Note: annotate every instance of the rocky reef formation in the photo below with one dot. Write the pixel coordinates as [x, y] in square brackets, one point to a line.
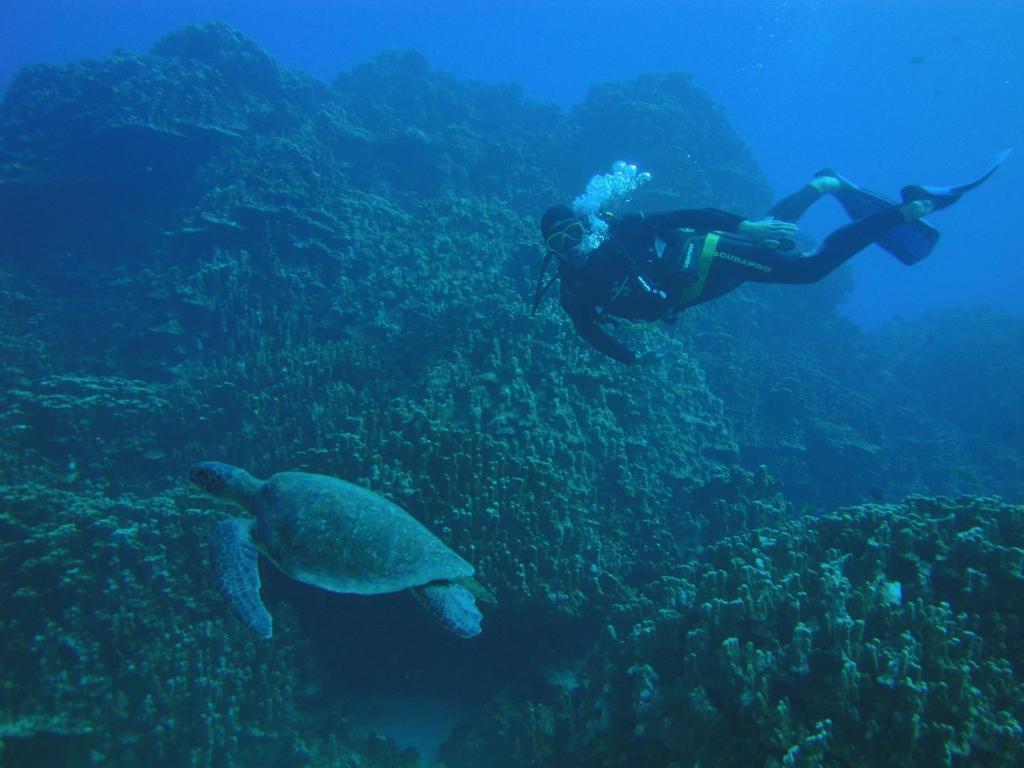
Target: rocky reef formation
[881, 635]
[296, 279]
[281, 273]
[207, 256]
[114, 652]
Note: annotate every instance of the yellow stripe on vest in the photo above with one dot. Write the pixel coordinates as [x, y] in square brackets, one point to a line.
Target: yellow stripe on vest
[707, 255]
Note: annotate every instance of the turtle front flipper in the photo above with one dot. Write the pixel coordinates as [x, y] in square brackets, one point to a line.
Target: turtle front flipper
[454, 605]
[234, 558]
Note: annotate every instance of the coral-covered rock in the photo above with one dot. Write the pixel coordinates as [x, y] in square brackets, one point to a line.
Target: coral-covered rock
[111, 655]
[206, 255]
[882, 635]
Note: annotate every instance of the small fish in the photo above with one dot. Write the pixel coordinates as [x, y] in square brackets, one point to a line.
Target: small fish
[877, 493]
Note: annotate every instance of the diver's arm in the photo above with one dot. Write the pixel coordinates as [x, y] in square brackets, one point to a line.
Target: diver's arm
[771, 232]
[703, 219]
[582, 311]
[603, 341]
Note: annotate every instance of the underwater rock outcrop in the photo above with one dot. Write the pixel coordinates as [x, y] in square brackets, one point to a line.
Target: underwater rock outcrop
[283, 274]
[231, 222]
[881, 635]
[294, 282]
[114, 651]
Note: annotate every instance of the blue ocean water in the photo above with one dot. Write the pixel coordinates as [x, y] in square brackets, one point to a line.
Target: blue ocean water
[887, 93]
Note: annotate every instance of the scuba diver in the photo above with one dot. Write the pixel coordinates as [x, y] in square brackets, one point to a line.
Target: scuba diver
[652, 266]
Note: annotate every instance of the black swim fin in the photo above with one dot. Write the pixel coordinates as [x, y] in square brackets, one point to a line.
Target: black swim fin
[910, 242]
[943, 197]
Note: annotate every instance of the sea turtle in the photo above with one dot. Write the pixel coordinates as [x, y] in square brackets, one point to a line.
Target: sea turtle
[334, 535]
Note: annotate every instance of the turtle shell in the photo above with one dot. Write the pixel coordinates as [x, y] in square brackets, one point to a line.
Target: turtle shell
[337, 536]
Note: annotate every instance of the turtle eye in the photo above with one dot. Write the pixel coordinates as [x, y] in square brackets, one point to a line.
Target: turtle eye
[207, 478]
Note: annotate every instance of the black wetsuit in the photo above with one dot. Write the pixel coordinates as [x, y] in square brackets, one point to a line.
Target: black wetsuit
[652, 266]
[627, 277]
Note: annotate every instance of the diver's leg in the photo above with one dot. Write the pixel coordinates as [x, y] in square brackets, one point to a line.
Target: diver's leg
[909, 243]
[739, 260]
[844, 243]
[792, 207]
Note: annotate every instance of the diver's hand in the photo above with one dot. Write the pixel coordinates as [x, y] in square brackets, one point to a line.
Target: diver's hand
[770, 232]
[652, 356]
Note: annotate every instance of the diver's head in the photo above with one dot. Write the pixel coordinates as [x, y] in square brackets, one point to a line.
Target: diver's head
[563, 234]
[562, 230]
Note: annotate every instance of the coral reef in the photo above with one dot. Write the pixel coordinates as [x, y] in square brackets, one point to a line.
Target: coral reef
[291, 297]
[279, 273]
[661, 121]
[112, 653]
[881, 635]
[209, 256]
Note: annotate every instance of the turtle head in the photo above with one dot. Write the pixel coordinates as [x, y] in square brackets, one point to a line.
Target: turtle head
[223, 481]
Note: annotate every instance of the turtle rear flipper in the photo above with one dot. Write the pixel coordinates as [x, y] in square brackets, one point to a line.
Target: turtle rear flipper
[454, 605]
[234, 558]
